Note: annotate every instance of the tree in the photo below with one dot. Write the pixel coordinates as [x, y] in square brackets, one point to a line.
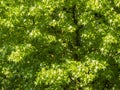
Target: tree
[59, 45]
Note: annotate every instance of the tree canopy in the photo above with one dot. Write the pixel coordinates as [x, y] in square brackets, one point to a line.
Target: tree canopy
[59, 44]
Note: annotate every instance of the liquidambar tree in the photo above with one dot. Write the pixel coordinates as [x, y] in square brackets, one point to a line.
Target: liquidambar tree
[59, 44]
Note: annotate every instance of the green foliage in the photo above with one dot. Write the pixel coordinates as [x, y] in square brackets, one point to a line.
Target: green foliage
[59, 44]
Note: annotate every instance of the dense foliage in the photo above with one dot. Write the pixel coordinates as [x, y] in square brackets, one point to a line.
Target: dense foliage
[59, 45]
